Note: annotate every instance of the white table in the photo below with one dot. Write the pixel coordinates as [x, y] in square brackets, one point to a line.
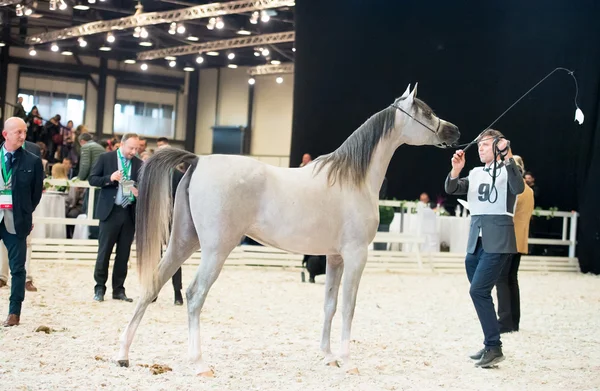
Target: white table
[52, 204]
[452, 230]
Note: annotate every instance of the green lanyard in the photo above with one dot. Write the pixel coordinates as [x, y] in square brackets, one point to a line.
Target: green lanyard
[6, 175]
[124, 165]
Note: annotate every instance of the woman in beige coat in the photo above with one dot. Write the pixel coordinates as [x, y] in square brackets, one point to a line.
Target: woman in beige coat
[507, 287]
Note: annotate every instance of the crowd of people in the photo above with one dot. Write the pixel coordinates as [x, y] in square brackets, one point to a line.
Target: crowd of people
[110, 165]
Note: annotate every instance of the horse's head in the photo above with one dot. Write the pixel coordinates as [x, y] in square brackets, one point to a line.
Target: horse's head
[418, 125]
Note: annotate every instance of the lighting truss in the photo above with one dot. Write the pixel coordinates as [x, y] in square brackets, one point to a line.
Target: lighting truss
[153, 18]
[262, 70]
[257, 40]
[4, 3]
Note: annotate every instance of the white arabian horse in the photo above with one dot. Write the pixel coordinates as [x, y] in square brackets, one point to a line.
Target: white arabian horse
[221, 198]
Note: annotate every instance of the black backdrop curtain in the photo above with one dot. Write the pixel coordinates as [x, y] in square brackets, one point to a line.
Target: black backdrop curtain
[472, 60]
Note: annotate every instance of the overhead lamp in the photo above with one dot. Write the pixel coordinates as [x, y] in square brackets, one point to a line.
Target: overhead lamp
[144, 67]
[82, 42]
[251, 81]
[188, 69]
[110, 38]
[54, 47]
[199, 59]
[279, 80]
[32, 51]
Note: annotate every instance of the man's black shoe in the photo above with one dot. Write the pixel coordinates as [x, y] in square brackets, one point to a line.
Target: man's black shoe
[478, 355]
[121, 296]
[492, 356]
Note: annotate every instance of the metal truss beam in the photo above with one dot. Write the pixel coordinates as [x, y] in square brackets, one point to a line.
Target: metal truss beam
[262, 70]
[153, 18]
[4, 3]
[257, 40]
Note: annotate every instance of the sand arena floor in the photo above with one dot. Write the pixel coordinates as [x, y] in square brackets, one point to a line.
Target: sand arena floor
[261, 331]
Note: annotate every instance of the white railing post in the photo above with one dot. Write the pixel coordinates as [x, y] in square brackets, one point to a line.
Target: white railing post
[565, 227]
[573, 234]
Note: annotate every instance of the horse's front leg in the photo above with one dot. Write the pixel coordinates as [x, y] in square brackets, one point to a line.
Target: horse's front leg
[333, 276]
[354, 264]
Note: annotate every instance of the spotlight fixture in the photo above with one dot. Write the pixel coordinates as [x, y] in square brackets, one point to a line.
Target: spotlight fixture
[54, 47]
[82, 42]
[144, 67]
[110, 38]
[199, 59]
[32, 51]
[251, 81]
[279, 80]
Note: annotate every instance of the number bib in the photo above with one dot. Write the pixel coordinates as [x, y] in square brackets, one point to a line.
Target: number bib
[485, 200]
[6, 199]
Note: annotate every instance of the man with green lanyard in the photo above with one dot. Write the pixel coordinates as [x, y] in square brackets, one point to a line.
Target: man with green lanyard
[20, 192]
[115, 173]
[33, 148]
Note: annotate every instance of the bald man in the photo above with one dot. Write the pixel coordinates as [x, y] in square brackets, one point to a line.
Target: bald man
[21, 183]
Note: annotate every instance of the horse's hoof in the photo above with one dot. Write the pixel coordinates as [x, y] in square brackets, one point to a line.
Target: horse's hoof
[333, 364]
[123, 363]
[353, 371]
[210, 374]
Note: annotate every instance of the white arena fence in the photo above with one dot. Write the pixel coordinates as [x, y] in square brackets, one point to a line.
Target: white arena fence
[84, 251]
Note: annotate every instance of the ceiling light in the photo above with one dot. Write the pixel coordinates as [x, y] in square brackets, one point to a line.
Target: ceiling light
[136, 32]
[2, 44]
[32, 51]
[92, 1]
[264, 17]
[279, 80]
[181, 29]
[193, 38]
[257, 54]
[67, 53]
[105, 48]
[188, 69]
[293, 49]
[220, 24]
[211, 23]
[144, 33]
[265, 52]
[82, 42]
[170, 58]
[53, 5]
[275, 62]
[172, 64]
[232, 66]
[81, 7]
[212, 53]
[28, 11]
[54, 47]
[110, 38]
[231, 56]
[19, 10]
[199, 59]
[254, 17]
[144, 67]
[145, 43]
[173, 28]
[244, 32]
[251, 81]
[129, 61]
[62, 5]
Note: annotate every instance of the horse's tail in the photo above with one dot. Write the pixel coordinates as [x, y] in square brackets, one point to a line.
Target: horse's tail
[154, 209]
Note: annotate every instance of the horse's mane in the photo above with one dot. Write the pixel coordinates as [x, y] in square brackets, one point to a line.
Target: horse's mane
[350, 162]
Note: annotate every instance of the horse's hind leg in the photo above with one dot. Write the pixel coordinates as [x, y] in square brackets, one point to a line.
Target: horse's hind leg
[182, 244]
[214, 254]
[333, 277]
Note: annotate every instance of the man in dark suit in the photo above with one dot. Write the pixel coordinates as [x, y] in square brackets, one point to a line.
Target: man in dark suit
[491, 193]
[115, 173]
[33, 148]
[21, 191]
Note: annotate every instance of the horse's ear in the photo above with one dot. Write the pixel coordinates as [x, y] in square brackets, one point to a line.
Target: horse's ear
[413, 94]
[406, 93]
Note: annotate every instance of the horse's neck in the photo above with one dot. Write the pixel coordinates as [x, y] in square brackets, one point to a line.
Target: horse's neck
[379, 164]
